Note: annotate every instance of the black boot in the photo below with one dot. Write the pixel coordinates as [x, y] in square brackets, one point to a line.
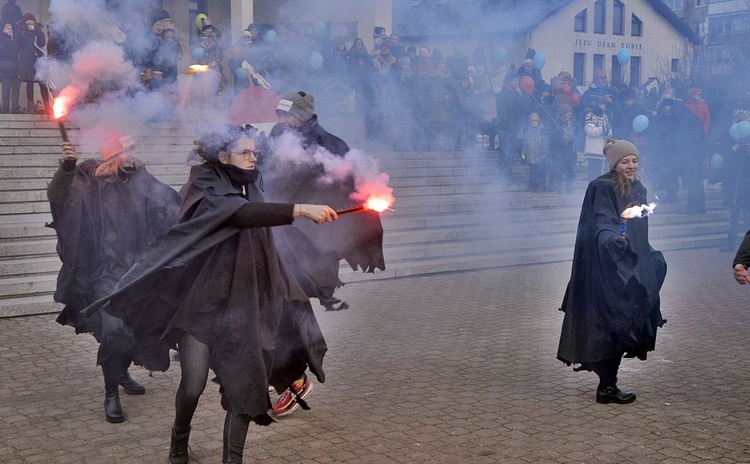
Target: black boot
[112, 408]
[612, 394]
[130, 386]
[178, 449]
[235, 432]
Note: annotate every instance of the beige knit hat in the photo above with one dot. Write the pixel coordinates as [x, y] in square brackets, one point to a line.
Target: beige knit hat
[300, 104]
[615, 150]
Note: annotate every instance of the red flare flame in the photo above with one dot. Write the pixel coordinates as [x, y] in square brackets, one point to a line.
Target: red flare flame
[60, 107]
[377, 204]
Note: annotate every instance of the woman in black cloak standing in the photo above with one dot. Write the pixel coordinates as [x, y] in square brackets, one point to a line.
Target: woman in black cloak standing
[217, 289]
[105, 213]
[612, 303]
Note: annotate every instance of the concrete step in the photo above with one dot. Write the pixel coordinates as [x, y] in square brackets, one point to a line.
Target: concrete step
[29, 285]
[10, 232]
[23, 306]
[27, 248]
[28, 265]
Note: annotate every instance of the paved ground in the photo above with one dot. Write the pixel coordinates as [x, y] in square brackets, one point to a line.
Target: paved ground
[452, 368]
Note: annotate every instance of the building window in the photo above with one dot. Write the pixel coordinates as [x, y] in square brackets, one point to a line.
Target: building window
[600, 17]
[675, 65]
[728, 29]
[579, 67]
[598, 62]
[580, 21]
[616, 71]
[675, 4]
[618, 18]
[636, 26]
[635, 71]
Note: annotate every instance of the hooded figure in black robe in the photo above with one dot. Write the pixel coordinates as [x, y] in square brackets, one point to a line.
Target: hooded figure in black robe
[313, 253]
[217, 283]
[105, 215]
[611, 304]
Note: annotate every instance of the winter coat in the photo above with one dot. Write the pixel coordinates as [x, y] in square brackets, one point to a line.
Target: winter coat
[597, 130]
[30, 48]
[8, 57]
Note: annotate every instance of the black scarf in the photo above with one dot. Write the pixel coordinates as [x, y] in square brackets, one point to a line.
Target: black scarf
[239, 177]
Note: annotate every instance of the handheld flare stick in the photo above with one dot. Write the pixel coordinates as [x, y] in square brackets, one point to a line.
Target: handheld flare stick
[59, 107]
[59, 110]
[372, 204]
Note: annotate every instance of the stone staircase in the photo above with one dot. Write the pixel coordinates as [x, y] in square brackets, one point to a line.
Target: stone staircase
[450, 215]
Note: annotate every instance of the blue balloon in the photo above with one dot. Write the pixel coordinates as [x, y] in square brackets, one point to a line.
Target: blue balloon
[734, 131]
[623, 56]
[539, 60]
[716, 160]
[743, 129]
[198, 53]
[319, 29]
[270, 37]
[640, 123]
[316, 60]
[501, 54]
[240, 73]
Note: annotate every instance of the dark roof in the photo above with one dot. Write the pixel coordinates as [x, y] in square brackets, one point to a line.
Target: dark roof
[458, 18]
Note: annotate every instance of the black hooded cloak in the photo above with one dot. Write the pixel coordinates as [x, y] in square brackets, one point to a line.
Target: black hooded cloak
[611, 303]
[102, 228]
[227, 287]
[313, 253]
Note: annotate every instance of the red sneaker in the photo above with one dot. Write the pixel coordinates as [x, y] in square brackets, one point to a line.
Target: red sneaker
[287, 402]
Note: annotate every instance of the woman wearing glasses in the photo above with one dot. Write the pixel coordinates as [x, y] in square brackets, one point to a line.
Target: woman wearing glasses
[217, 289]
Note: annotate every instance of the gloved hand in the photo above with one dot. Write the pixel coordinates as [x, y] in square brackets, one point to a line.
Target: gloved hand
[621, 243]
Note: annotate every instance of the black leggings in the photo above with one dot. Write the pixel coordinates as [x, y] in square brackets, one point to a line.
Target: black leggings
[194, 360]
[607, 371]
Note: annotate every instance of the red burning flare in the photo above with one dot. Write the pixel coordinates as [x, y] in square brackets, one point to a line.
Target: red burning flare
[378, 204]
[373, 204]
[60, 107]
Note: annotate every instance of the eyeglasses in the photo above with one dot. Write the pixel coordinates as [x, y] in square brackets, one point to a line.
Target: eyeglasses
[246, 155]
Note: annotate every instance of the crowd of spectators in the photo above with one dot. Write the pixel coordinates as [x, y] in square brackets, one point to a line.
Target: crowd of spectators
[21, 45]
[415, 97]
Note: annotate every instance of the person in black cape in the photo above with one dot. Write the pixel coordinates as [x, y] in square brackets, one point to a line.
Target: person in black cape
[611, 304]
[105, 214]
[313, 254]
[216, 288]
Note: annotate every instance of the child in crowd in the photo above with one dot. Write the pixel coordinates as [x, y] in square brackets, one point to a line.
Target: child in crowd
[535, 152]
